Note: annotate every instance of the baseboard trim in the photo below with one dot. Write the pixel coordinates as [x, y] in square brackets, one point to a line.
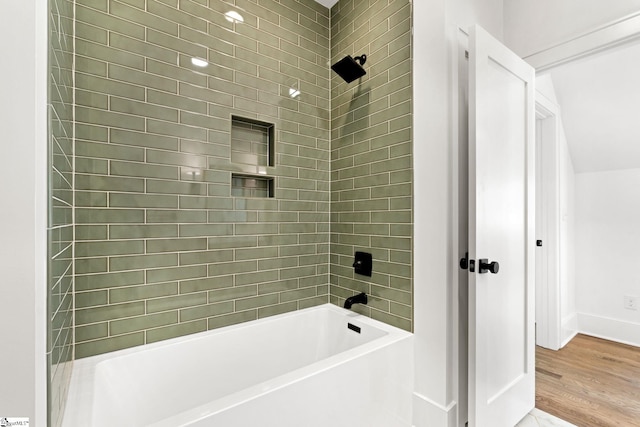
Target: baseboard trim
[569, 338]
[610, 329]
[427, 413]
[569, 329]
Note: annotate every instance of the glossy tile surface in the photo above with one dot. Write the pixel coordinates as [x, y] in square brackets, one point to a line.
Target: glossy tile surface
[167, 245]
[60, 218]
[371, 158]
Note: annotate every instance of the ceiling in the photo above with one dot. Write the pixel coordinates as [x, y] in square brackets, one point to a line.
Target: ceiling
[599, 99]
[327, 3]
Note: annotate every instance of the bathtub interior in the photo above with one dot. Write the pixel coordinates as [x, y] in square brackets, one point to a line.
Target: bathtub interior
[172, 377]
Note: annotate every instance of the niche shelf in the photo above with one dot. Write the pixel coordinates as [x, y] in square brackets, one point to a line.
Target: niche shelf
[252, 186]
[252, 142]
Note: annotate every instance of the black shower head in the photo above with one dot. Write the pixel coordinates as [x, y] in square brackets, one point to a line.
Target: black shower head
[349, 69]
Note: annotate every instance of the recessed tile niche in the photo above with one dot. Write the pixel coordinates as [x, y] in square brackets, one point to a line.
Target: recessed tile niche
[251, 142]
[252, 146]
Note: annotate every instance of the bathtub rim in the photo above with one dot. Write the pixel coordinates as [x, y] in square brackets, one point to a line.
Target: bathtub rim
[79, 406]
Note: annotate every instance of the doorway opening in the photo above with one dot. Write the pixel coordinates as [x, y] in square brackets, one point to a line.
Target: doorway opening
[547, 270]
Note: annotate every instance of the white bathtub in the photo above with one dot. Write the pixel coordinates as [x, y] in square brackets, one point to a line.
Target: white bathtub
[301, 369]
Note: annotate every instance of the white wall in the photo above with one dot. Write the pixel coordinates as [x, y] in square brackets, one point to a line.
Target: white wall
[24, 206]
[534, 25]
[607, 253]
[567, 243]
[436, 25]
[487, 13]
[544, 85]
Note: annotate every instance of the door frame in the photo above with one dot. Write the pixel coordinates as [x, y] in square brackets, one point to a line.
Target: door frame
[460, 218]
[547, 282]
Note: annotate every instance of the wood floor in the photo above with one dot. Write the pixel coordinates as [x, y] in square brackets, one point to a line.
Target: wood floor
[590, 382]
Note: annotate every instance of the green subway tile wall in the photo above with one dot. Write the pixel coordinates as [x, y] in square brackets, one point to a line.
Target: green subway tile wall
[371, 160]
[60, 217]
[163, 248]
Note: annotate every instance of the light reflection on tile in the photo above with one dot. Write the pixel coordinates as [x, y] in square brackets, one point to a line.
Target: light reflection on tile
[538, 418]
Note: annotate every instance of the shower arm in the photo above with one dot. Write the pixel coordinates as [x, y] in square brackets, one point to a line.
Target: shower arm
[361, 59]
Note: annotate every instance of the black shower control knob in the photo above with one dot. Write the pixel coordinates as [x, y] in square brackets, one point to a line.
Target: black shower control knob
[363, 263]
[486, 266]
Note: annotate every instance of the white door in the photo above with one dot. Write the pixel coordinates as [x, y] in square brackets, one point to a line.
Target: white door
[501, 230]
